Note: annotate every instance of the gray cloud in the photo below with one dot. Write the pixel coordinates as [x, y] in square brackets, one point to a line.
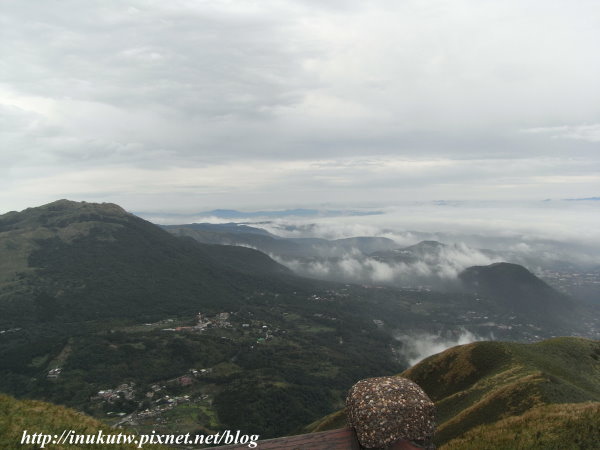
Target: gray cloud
[153, 103]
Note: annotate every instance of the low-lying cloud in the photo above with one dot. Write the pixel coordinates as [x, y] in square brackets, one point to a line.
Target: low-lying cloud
[545, 234]
[420, 345]
[442, 266]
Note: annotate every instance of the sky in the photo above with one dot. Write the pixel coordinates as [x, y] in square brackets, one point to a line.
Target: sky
[191, 105]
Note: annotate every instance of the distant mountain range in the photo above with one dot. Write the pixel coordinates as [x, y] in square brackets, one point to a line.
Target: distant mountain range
[243, 235]
[230, 214]
[381, 261]
[510, 288]
[370, 260]
[586, 199]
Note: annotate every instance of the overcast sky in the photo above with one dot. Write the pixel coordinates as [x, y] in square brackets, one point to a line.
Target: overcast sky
[192, 105]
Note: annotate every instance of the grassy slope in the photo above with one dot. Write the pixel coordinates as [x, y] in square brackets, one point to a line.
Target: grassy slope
[486, 383]
[548, 427]
[40, 417]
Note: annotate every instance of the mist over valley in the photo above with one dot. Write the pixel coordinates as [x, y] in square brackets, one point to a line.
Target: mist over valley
[376, 247]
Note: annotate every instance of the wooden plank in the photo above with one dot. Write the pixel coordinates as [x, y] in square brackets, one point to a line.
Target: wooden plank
[340, 439]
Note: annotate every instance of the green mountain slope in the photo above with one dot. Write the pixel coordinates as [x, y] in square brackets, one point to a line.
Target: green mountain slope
[493, 383]
[513, 286]
[73, 261]
[487, 381]
[547, 427]
[112, 300]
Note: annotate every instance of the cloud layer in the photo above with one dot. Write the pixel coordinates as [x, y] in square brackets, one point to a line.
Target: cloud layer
[200, 104]
[434, 269]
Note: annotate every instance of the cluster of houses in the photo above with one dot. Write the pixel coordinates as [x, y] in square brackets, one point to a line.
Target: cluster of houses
[161, 405]
[161, 401]
[10, 330]
[318, 298]
[220, 320]
[53, 374]
[199, 372]
[325, 316]
[125, 390]
[189, 379]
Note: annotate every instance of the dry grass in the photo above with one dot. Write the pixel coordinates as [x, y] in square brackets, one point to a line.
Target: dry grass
[493, 395]
[547, 427]
[41, 417]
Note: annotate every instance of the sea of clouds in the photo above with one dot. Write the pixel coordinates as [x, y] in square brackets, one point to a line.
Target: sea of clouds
[443, 266]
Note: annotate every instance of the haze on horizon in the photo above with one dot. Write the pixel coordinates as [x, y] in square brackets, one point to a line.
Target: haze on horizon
[189, 106]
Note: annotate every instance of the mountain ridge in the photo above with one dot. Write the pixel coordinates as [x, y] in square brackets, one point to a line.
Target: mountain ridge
[71, 251]
[483, 383]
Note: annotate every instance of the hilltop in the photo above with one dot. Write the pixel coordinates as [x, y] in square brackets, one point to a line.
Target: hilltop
[487, 390]
[515, 288]
[76, 260]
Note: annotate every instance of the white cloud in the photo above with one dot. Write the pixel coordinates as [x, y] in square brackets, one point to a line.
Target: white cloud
[353, 266]
[590, 132]
[420, 345]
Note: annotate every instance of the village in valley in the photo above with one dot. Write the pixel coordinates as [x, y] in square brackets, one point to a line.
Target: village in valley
[190, 392]
[186, 401]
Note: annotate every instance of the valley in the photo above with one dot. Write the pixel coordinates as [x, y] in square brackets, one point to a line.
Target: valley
[113, 316]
